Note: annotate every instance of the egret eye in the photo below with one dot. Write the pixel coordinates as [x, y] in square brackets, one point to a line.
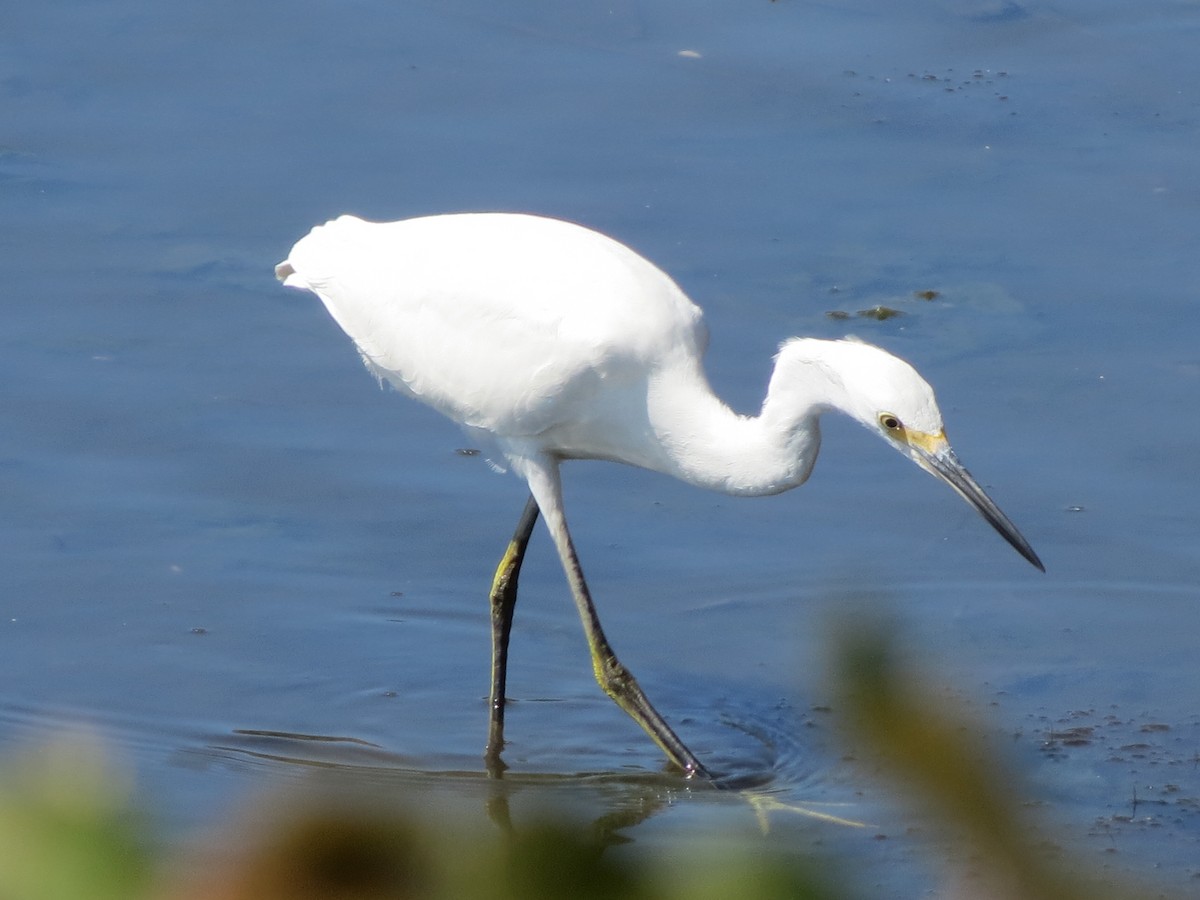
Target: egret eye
[890, 423]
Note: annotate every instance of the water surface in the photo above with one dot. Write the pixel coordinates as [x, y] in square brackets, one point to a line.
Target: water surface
[235, 557]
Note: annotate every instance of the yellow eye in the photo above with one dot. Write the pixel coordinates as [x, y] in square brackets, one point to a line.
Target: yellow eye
[890, 423]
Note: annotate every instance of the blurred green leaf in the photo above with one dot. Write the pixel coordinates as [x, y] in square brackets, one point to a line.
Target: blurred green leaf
[66, 830]
[926, 742]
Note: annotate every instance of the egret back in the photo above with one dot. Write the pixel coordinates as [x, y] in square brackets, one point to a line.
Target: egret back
[503, 322]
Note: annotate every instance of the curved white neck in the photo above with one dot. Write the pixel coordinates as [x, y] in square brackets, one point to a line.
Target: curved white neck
[707, 444]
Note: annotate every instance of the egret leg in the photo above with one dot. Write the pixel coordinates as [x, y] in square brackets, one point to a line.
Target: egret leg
[503, 603]
[618, 682]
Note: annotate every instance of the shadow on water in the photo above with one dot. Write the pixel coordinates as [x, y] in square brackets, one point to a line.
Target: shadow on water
[770, 759]
[612, 801]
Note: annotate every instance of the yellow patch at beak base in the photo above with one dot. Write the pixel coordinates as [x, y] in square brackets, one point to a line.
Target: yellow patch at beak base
[932, 444]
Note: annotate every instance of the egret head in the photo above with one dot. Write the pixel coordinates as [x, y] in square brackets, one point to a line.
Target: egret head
[886, 395]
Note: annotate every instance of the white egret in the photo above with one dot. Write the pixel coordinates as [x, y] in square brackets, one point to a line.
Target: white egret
[548, 341]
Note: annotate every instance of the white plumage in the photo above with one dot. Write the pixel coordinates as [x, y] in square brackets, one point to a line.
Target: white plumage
[551, 341]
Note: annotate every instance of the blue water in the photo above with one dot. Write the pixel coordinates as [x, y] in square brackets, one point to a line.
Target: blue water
[222, 541]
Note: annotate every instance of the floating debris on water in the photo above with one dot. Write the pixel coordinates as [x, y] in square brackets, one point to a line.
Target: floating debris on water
[879, 313]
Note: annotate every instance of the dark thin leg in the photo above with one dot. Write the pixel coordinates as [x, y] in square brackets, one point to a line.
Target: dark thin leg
[618, 682]
[503, 603]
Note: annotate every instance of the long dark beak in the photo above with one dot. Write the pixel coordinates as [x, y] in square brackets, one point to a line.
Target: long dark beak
[936, 458]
